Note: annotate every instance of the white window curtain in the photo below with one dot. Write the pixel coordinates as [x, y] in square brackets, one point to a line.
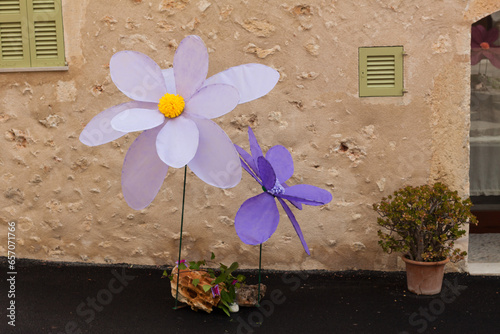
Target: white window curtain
[485, 130]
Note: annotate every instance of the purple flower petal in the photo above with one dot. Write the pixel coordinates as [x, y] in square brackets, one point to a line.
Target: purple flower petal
[492, 36]
[216, 162]
[251, 80]
[190, 66]
[257, 219]
[182, 262]
[213, 101]
[247, 158]
[475, 56]
[282, 162]
[249, 171]
[137, 119]
[295, 225]
[143, 172]
[307, 194]
[168, 75]
[254, 145]
[215, 291]
[266, 173]
[99, 130]
[478, 35]
[493, 55]
[296, 204]
[137, 76]
[178, 141]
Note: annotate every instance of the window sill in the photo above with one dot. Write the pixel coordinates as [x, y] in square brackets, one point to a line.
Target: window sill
[35, 69]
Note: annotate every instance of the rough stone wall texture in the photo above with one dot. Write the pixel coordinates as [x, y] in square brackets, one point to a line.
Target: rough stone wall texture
[66, 197]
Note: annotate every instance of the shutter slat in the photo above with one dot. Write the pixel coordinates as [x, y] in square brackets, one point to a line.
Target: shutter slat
[10, 7]
[381, 71]
[43, 5]
[46, 39]
[11, 41]
[381, 77]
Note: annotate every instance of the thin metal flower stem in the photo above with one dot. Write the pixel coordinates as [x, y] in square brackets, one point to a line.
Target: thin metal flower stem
[180, 239]
[258, 289]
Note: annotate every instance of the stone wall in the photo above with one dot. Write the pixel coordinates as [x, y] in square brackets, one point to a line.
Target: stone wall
[66, 197]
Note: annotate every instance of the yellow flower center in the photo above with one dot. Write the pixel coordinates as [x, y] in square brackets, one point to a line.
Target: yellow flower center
[171, 105]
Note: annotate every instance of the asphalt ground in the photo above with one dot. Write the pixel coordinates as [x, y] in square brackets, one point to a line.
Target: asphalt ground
[75, 298]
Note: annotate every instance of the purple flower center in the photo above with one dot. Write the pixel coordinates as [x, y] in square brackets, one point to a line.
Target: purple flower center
[278, 189]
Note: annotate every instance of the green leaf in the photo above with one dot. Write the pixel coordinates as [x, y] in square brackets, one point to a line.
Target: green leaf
[225, 309]
[220, 279]
[165, 273]
[213, 256]
[232, 294]
[206, 287]
[233, 266]
[182, 266]
[196, 281]
[225, 297]
[224, 302]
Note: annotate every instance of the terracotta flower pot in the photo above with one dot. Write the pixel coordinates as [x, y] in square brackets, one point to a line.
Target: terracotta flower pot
[424, 278]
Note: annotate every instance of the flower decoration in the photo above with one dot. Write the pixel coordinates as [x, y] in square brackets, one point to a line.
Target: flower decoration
[174, 108]
[215, 291]
[482, 45]
[181, 264]
[258, 217]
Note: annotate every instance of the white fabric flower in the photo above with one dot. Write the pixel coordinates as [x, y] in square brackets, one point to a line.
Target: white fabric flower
[174, 108]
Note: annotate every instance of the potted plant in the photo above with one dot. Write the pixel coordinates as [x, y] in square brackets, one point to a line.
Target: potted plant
[423, 223]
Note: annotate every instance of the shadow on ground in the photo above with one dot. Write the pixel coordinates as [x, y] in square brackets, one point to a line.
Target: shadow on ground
[73, 298]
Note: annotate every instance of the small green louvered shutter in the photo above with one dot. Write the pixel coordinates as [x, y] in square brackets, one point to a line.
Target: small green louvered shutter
[381, 71]
[14, 36]
[46, 33]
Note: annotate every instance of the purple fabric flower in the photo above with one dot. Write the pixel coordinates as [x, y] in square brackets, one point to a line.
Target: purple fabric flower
[258, 217]
[215, 291]
[174, 107]
[482, 45]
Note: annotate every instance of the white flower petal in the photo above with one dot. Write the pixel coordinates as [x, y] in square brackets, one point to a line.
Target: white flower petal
[99, 130]
[177, 142]
[190, 66]
[251, 80]
[137, 119]
[143, 172]
[168, 75]
[137, 76]
[216, 162]
[213, 101]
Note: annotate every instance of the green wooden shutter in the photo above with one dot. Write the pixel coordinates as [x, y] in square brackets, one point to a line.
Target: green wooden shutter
[46, 33]
[14, 36]
[381, 71]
